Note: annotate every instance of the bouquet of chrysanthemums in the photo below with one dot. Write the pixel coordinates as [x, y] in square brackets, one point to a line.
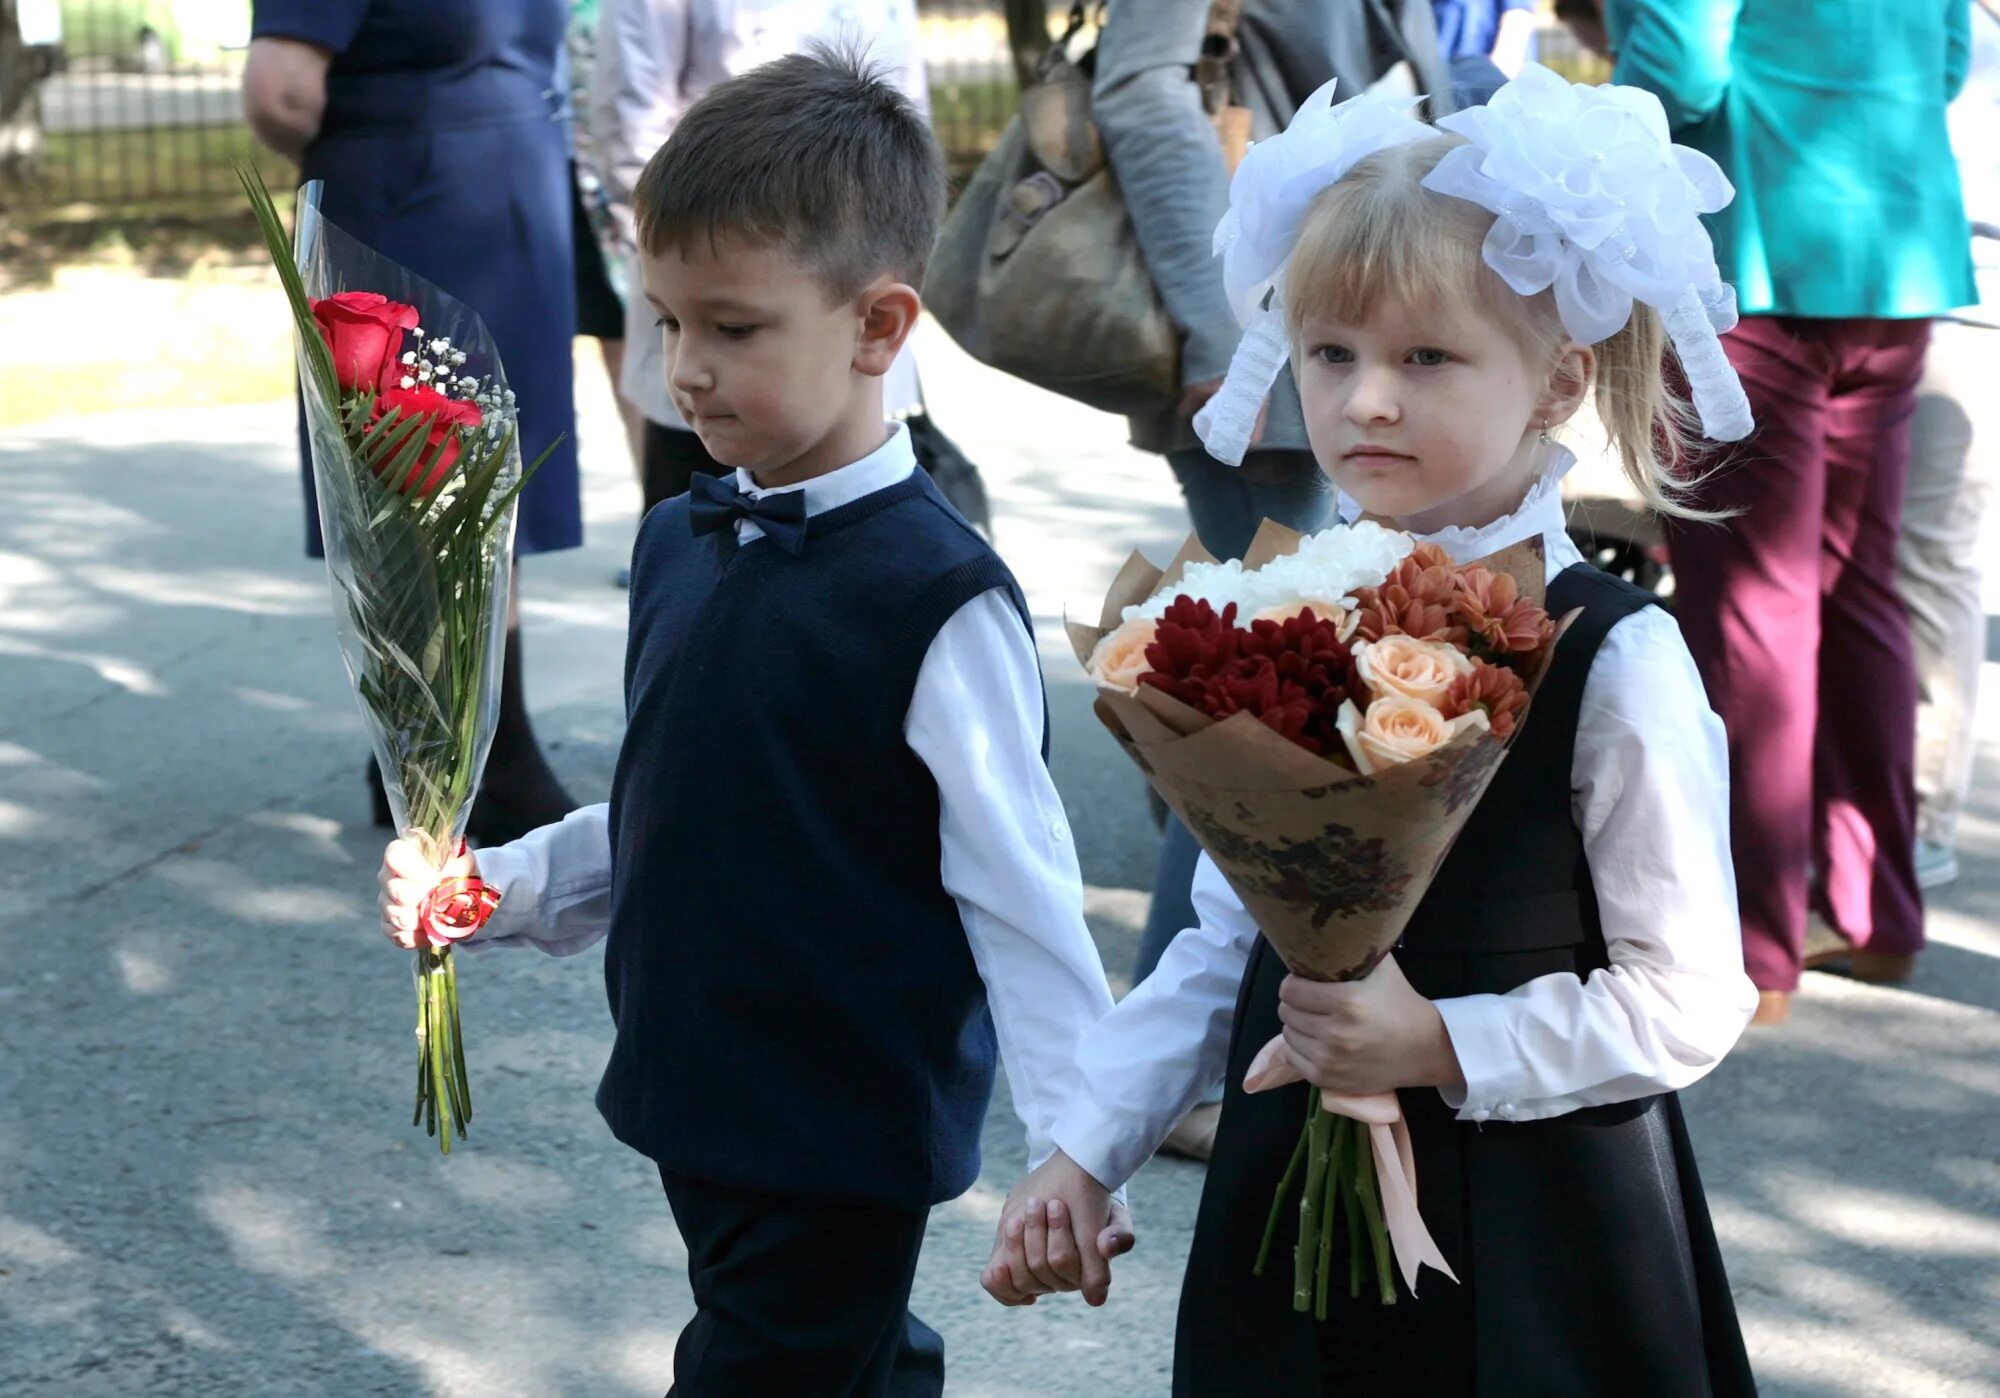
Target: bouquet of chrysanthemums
[1324, 716]
[417, 467]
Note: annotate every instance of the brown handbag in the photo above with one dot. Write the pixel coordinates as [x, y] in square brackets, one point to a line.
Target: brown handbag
[1037, 271]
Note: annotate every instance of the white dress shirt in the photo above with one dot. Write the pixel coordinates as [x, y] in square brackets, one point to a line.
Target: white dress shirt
[1650, 794]
[655, 58]
[975, 720]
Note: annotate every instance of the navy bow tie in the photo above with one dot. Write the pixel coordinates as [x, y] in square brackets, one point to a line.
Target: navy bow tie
[715, 503]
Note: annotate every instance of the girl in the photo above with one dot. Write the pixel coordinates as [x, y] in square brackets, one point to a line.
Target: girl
[1577, 960]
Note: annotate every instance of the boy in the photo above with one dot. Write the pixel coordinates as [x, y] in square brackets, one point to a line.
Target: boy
[833, 864]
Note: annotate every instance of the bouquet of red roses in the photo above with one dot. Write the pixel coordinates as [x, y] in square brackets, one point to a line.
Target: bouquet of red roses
[417, 468]
[1324, 716]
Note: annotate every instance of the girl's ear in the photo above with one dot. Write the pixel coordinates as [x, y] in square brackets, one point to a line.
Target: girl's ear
[1570, 380]
[889, 312]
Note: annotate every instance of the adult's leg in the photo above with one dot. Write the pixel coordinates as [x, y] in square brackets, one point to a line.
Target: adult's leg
[803, 1298]
[1226, 504]
[1865, 795]
[1747, 592]
[518, 791]
[1953, 446]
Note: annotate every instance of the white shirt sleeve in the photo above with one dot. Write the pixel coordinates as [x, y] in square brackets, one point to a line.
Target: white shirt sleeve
[636, 91]
[1650, 785]
[975, 721]
[1165, 1044]
[554, 884]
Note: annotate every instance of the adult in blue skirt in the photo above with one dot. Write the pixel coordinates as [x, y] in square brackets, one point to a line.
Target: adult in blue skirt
[441, 131]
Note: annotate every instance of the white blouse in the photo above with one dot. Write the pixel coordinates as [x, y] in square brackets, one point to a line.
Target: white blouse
[1650, 794]
[655, 59]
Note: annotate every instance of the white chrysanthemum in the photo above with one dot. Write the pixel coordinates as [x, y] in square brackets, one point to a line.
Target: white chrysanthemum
[1328, 565]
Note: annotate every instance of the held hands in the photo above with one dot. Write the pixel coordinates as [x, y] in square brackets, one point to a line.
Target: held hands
[1058, 1231]
[406, 878]
[1367, 1036]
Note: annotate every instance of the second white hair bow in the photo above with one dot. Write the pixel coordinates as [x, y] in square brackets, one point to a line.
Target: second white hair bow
[1594, 199]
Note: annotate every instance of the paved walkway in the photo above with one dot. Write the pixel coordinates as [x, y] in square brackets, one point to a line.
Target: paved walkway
[206, 1183]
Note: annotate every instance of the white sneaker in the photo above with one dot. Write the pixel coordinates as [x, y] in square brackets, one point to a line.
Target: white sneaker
[1937, 865]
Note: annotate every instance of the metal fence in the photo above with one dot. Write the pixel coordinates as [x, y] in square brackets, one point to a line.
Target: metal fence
[125, 105]
[106, 106]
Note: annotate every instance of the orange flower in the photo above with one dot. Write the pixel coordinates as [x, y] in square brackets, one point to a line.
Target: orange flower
[1490, 606]
[1493, 688]
[1120, 658]
[1415, 600]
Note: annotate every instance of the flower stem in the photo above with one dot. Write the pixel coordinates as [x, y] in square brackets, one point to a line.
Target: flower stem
[450, 972]
[1351, 1196]
[1334, 1174]
[1371, 1207]
[1278, 1202]
[1319, 1127]
[439, 1091]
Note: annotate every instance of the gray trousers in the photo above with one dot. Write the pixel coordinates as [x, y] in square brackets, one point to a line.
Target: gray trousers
[1954, 461]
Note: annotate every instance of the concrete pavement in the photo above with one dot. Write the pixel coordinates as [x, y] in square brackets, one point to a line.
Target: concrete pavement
[208, 1185]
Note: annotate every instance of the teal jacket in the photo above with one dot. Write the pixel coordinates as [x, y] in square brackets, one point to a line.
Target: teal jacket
[1829, 118]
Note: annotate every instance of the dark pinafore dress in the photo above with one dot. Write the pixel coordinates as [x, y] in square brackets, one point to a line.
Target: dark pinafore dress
[1589, 1263]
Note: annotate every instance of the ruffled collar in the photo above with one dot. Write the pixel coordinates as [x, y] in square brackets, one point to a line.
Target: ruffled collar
[1540, 514]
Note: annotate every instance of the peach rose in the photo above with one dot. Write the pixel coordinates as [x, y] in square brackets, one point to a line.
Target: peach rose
[1120, 658]
[1343, 620]
[1397, 730]
[1404, 667]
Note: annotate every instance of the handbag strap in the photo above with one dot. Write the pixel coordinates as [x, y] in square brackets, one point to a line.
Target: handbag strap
[1214, 68]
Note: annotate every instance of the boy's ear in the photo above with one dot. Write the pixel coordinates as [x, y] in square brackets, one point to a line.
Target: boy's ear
[1570, 379]
[889, 311]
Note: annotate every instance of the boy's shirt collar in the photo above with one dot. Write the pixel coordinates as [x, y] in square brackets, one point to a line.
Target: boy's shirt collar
[889, 464]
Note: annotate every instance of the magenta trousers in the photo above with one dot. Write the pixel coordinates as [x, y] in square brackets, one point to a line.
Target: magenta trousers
[1792, 613]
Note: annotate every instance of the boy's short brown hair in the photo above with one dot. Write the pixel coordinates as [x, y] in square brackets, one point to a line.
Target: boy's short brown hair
[813, 154]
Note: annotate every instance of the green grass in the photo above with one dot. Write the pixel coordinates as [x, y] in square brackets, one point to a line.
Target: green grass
[969, 118]
[126, 169]
[166, 201]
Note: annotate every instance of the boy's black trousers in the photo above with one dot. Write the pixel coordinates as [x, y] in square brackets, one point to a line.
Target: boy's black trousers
[800, 1298]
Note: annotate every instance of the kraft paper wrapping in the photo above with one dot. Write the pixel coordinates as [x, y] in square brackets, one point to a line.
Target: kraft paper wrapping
[1330, 864]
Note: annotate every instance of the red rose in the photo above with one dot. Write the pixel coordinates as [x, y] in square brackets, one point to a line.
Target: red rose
[434, 463]
[365, 333]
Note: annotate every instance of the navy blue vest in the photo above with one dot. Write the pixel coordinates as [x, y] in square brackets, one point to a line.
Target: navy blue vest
[797, 1006]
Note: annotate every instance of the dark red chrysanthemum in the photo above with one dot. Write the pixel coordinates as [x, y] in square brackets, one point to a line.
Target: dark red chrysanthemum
[1292, 675]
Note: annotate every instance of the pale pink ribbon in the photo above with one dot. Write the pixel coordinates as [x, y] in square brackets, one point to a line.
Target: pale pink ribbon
[1395, 1162]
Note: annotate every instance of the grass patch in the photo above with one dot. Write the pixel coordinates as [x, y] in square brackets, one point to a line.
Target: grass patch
[969, 118]
[165, 200]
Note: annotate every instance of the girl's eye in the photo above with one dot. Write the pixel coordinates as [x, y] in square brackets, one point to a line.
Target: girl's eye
[1429, 358]
[1333, 354]
[736, 332]
[669, 324]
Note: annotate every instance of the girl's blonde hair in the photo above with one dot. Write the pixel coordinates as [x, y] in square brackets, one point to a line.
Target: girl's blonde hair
[1378, 233]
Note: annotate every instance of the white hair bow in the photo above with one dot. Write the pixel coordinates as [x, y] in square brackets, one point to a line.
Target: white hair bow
[1274, 186]
[1593, 198]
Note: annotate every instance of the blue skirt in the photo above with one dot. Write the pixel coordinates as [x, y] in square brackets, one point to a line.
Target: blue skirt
[483, 212]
